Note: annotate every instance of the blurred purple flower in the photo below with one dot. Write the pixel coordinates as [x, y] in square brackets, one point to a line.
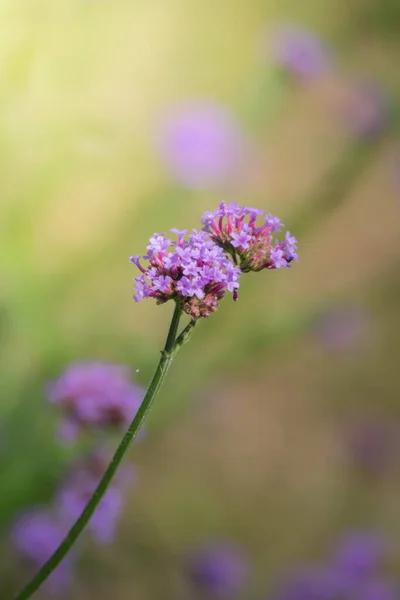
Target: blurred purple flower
[368, 110]
[344, 327]
[219, 570]
[73, 498]
[325, 584]
[201, 145]
[78, 488]
[380, 590]
[360, 554]
[35, 536]
[94, 395]
[355, 572]
[299, 52]
[310, 583]
[371, 443]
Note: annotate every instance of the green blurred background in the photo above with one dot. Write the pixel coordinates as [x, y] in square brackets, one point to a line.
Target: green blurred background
[248, 439]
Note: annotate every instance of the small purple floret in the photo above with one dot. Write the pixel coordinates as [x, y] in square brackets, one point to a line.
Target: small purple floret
[240, 240]
[274, 223]
[278, 258]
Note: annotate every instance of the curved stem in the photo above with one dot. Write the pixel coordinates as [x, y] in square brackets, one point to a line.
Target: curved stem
[167, 356]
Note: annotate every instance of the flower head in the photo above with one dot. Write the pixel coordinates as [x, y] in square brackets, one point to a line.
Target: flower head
[220, 570]
[191, 270]
[234, 228]
[95, 395]
[201, 144]
[35, 536]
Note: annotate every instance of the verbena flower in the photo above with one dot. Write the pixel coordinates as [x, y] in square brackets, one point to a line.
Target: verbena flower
[234, 228]
[219, 570]
[35, 536]
[299, 52]
[201, 144]
[78, 488]
[354, 572]
[192, 271]
[95, 395]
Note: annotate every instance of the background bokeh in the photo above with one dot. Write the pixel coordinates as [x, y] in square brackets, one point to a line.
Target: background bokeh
[278, 428]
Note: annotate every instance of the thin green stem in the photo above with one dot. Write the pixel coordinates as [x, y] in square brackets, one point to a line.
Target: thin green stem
[166, 358]
[173, 329]
[184, 336]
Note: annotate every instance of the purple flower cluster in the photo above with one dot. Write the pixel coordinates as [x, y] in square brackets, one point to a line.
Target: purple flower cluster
[193, 272]
[35, 536]
[219, 570]
[234, 228]
[38, 532]
[94, 395]
[201, 144]
[355, 572]
[79, 487]
[299, 52]
[197, 271]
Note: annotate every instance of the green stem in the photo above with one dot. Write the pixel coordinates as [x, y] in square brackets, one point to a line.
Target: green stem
[184, 336]
[173, 329]
[166, 358]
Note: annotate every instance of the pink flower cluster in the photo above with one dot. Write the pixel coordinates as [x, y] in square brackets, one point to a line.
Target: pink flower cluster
[194, 272]
[251, 246]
